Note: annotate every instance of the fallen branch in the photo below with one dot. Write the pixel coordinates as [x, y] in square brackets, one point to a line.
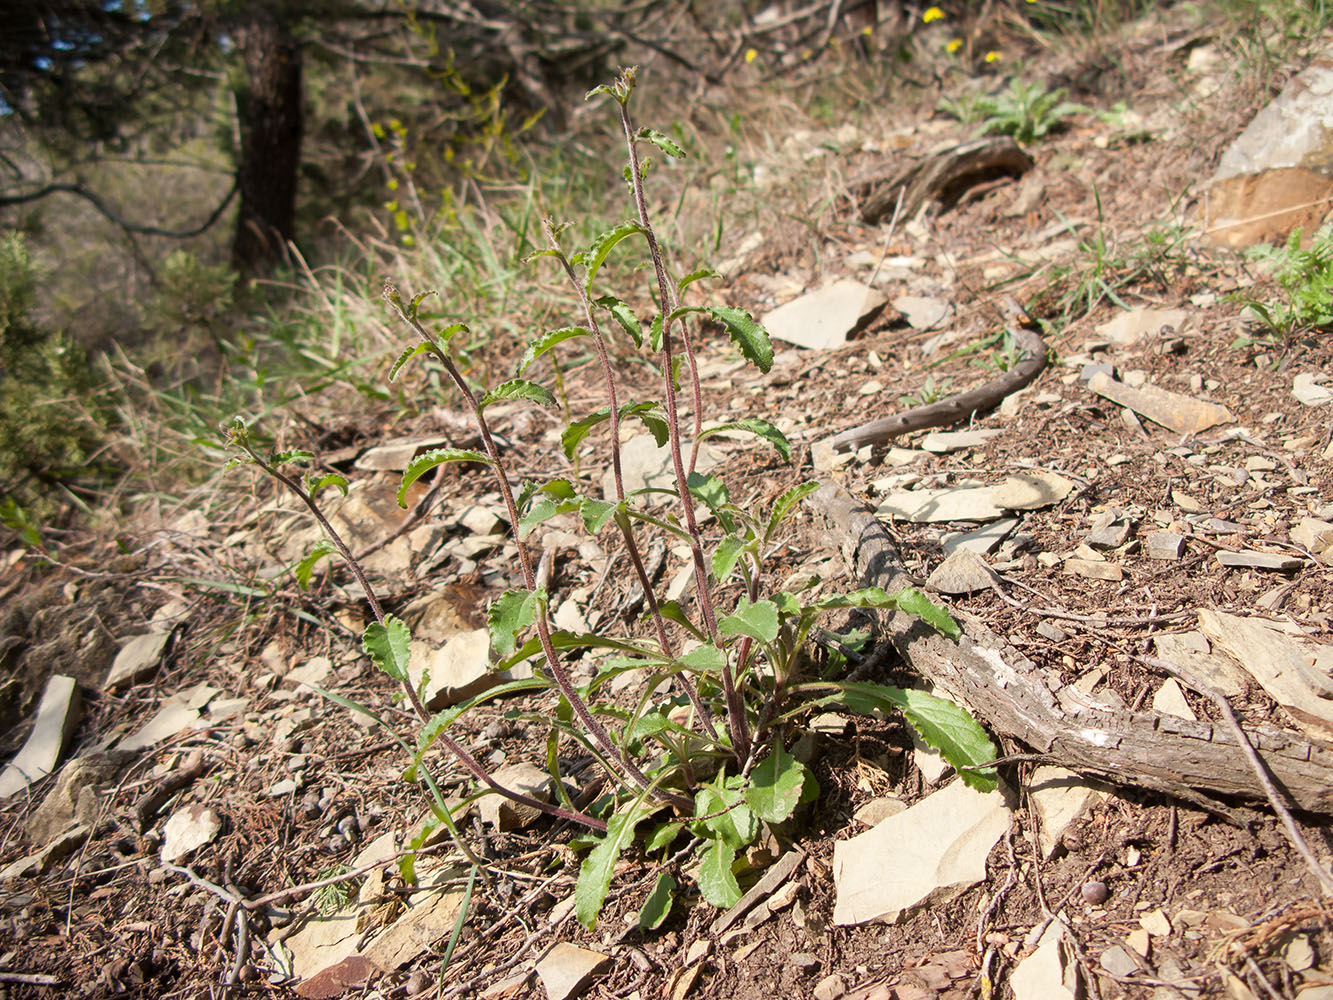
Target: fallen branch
[1180, 758]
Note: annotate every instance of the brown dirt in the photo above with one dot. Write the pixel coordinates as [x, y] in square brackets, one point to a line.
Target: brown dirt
[111, 920]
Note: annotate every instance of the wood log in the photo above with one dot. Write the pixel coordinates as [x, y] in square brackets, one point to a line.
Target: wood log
[1018, 699]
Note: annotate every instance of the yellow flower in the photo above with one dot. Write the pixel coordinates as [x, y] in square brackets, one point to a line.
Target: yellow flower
[932, 14]
[751, 55]
[953, 45]
[869, 29]
[993, 56]
[393, 184]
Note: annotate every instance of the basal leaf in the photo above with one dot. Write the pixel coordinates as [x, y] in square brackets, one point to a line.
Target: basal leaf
[716, 881]
[595, 256]
[657, 906]
[775, 785]
[306, 566]
[729, 818]
[546, 342]
[389, 646]
[510, 615]
[597, 868]
[518, 388]
[664, 836]
[707, 658]
[758, 620]
[426, 461]
[758, 426]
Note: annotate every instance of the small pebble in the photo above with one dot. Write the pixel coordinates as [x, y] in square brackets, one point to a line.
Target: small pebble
[1096, 892]
[416, 983]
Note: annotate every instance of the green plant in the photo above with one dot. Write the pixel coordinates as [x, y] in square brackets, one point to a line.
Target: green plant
[1027, 112]
[930, 392]
[1304, 278]
[707, 757]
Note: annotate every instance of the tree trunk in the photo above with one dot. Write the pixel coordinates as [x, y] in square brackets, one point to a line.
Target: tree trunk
[269, 109]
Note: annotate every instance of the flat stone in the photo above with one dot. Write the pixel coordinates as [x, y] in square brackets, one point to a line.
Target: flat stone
[1051, 971]
[566, 969]
[1170, 700]
[973, 503]
[643, 465]
[57, 717]
[1110, 536]
[352, 972]
[1165, 545]
[1130, 327]
[1094, 570]
[1308, 391]
[74, 800]
[1052, 631]
[456, 671]
[1313, 534]
[313, 671]
[943, 442]
[188, 829]
[430, 917]
[983, 541]
[1118, 962]
[934, 850]
[922, 312]
[395, 454]
[137, 660]
[1176, 412]
[1033, 490]
[1060, 797]
[824, 318]
[1274, 561]
[879, 809]
[506, 814]
[61, 846]
[1274, 176]
[962, 573]
[1192, 651]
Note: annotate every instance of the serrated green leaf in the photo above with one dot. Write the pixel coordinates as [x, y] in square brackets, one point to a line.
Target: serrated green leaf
[785, 504]
[314, 484]
[577, 430]
[657, 906]
[914, 602]
[623, 315]
[711, 490]
[746, 333]
[306, 566]
[389, 646]
[757, 426]
[426, 461]
[655, 333]
[595, 256]
[543, 510]
[775, 785]
[294, 457]
[596, 513]
[597, 868]
[519, 388]
[547, 341]
[408, 354]
[758, 620]
[663, 836]
[415, 305]
[510, 615]
[652, 416]
[716, 881]
[693, 276]
[725, 557]
[673, 612]
[707, 658]
[661, 141]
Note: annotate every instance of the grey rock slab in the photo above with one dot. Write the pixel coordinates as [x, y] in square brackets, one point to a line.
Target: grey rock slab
[430, 917]
[172, 718]
[923, 312]
[1059, 797]
[57, 716]
[824, 318]
[1133, 325]
[188, 829]
[138, 659]
[974, 503]
[1051, 971]
[643, 464]
[395, 454]
[61, 846]
[962, 573]
[1278, 663]
[778, 873]
[1170, 700]
[1273, 561]
[1165, 545]
[566, 969]
[943, 442]
[1176, 412]
[506, 814]
[877, 810]
[1033, 490]
[1118, 962]
[1275, 176]
[456, 670]
[1306, 388]
[1192, 651]
[313, 671]
[74, 799]
[1091, 569]
[934, 849]
[983, 541]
